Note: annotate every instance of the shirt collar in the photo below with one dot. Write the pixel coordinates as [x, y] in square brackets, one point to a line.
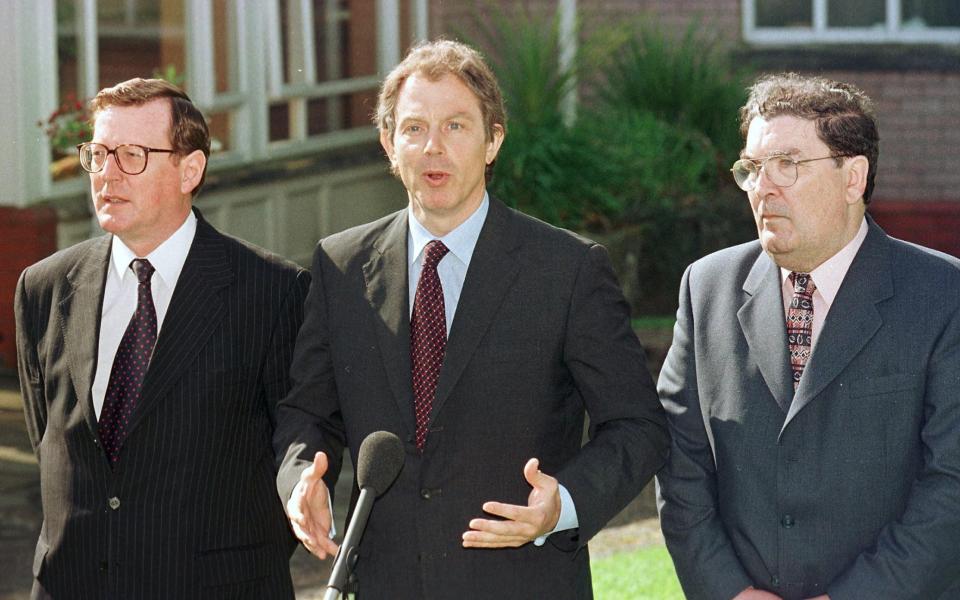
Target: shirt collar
[461, 241]
[829, 275]
[167, 258]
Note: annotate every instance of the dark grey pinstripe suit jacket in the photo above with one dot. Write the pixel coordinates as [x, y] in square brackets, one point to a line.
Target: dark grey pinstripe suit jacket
[195, 512]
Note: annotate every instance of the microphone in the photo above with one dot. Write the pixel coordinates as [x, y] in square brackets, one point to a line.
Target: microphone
[378, 464]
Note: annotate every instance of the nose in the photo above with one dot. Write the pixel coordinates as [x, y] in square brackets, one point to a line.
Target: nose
[763, 184]
[434, 143]
[111, 168]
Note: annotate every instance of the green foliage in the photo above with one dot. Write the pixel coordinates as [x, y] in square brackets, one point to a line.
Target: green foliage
[68, 125]
[688, 81]
[645, 574]
[170, 74]
[647, 158]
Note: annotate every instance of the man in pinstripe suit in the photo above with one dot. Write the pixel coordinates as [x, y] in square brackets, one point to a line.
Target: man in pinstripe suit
[174, 496]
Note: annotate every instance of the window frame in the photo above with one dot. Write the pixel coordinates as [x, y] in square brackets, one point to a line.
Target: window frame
[255, 85]
[892, 32]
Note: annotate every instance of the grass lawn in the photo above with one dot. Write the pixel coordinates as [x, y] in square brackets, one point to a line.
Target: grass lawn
[640, 575]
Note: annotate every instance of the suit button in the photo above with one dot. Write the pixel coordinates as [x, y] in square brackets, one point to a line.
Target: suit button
[425, 493]
[775, 581]
[103, 566]
[787, 521]
[114, 503]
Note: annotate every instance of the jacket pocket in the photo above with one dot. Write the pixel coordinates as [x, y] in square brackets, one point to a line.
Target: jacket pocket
[233, 565]
[888, 384]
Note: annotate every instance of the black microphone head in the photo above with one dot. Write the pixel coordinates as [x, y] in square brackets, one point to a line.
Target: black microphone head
[379, 461]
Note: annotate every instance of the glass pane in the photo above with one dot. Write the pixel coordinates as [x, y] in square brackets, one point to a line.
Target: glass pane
[863, 13]
[345, 42]
[279, 121]
[224, 46]
[919, 14]
[784, 13]
[220, 128]
[141, 38]
[68, 125]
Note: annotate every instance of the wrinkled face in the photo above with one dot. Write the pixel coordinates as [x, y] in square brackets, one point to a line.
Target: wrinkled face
[440, 150]
[802, 225]
[142, 210]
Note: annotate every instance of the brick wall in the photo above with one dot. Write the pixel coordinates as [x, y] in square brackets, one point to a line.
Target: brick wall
[26, 236]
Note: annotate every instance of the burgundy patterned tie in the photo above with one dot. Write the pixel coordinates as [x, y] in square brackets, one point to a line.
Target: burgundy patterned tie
[428, 337]
[800, 323]
[129, 365]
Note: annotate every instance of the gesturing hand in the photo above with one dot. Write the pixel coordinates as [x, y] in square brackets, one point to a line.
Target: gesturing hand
[309, 509]
[523, 523]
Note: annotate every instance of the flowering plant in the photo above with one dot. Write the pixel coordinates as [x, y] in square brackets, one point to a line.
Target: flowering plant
[68, 126]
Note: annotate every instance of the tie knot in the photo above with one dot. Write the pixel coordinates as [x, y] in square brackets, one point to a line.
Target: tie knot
[802, 283]
[143, 269]
[435, 250]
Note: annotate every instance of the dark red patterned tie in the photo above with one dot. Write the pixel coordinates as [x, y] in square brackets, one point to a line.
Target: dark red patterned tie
[129, 365]
[428, 337]
[800, 323]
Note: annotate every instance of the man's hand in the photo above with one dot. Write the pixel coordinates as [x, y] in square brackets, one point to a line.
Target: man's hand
[523, 523]
[754, 594]
[309, 509]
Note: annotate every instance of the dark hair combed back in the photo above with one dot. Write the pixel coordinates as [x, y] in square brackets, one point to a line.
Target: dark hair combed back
[843, 114]
[433, 60]
[188, 128]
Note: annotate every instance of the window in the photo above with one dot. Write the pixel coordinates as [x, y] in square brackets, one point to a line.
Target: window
[843, 21]
[275, 78]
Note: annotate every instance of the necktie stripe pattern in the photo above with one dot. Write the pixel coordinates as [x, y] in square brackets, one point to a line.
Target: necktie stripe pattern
[800, 323]
[129, 366]
[428, 337]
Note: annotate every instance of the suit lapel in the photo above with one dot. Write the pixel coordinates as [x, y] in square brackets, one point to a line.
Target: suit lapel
[764, 325]
[80, 315]
[195, 312]
[387, 292]
[852, 321]
[493, 269]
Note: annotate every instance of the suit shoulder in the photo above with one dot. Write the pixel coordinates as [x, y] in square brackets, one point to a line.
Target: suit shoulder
[542, 234]
[248, 254]
[910, 260]
[734, 262]
[56, 266]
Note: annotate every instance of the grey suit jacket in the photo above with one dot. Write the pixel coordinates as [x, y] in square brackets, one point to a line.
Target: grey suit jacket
[855, 491]
[541, 334]
[191, 509]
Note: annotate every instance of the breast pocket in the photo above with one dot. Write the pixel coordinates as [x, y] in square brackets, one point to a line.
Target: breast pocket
[887, 385]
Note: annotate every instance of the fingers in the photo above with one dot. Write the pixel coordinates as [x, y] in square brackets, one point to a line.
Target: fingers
[309, 511]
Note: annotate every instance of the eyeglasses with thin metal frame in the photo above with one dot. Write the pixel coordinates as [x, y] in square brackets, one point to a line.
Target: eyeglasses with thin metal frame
[783, 172]
[131, 158]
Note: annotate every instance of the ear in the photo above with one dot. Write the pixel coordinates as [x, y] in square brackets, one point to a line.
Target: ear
[191, 170]
[493, 146]
[387, 142]
[857, 169]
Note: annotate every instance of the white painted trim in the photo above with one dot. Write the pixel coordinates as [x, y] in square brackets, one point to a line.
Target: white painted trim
[892, 32]
[388, 35]
[201, 79]
[567, 39]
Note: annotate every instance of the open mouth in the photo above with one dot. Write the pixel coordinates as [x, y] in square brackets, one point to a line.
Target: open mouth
[436, 178]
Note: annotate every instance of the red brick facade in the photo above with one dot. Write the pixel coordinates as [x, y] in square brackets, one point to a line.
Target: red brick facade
[26, 236]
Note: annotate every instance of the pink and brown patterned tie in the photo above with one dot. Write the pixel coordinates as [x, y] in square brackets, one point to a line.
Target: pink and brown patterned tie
[129, 365]
[800, 323]
[428, 337]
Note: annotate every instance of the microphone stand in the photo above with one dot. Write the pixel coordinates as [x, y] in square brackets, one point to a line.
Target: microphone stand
[347, 555]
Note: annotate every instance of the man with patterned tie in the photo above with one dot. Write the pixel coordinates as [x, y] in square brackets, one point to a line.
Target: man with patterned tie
[480, 337]
[813, 384]
[151, 361]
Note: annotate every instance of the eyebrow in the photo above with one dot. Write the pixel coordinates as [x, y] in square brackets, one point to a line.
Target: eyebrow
[788, 152]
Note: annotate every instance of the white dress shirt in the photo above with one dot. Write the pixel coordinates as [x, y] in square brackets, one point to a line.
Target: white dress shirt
[120, 295]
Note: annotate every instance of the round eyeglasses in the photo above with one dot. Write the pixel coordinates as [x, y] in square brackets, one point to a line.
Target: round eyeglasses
[781, 170]
[131, 158]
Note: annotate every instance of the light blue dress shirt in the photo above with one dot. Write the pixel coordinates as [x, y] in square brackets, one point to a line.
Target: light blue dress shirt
[452, 270]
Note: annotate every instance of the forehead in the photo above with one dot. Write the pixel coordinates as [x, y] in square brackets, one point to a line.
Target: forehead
[783, 134]
[421, 96]
[147, 124]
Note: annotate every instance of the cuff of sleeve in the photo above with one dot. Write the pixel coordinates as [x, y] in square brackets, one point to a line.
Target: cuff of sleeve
[568, 516]
[333, 522]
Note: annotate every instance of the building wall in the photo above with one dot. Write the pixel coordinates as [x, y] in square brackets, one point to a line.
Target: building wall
[916, 90]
